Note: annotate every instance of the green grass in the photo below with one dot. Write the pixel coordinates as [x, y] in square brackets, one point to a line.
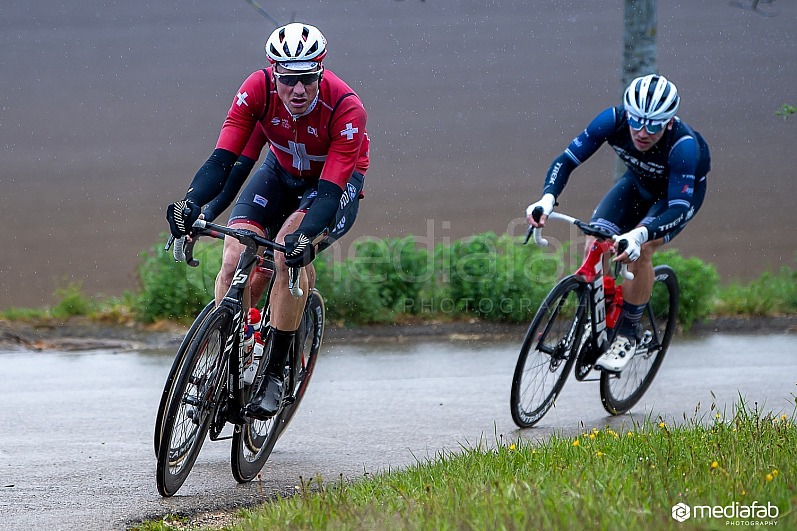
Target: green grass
[598, 479]
[770, 294]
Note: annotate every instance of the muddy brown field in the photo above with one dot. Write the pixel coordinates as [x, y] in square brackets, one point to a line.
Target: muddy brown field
[109, 108]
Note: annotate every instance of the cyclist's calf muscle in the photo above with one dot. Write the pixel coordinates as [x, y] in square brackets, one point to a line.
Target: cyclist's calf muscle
[638, 291]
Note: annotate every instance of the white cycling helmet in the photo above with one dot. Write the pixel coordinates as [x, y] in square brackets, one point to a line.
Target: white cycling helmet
[651, 98]
[296, 46]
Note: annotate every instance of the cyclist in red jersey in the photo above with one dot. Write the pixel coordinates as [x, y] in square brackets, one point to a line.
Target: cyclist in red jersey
[305, 195]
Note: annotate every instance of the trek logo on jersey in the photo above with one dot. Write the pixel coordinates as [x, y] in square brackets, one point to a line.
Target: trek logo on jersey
[242, 99]
[673, 224]
[555, 172]
[350, 131]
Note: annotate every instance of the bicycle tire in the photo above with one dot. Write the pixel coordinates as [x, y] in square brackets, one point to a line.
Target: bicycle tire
[253, 441]
[167, 387]
[310, 337]
[620, 392]
[547, 356]
[194, 399]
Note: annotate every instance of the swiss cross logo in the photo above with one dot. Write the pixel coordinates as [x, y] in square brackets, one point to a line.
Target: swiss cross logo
[242, 99]
[349, 131]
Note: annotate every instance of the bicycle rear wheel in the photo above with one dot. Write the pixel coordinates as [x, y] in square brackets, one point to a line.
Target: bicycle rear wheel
[253, 442]
[309, 337]
[547, 354]
[620, 392]
[167, 388]
[195, 396]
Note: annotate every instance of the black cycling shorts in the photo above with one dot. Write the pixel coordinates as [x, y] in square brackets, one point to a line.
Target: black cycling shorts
[625, 206]
[273, 194]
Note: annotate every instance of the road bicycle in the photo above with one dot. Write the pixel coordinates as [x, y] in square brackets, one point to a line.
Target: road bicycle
[207, 388]
[576, 324]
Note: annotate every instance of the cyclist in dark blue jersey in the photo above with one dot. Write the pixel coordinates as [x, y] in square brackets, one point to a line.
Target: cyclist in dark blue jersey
[662, 189]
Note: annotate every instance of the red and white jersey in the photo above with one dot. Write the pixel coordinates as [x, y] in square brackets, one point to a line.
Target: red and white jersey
[328, 141]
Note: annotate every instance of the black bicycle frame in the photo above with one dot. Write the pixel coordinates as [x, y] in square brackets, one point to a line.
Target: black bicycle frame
[232, 302]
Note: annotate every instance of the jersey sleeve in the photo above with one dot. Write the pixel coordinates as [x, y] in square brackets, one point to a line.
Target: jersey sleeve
[248, 105]
[683, 161]
[347, 131]
[580, 149]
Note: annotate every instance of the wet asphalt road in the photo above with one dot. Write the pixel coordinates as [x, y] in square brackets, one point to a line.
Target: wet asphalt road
[76, 447]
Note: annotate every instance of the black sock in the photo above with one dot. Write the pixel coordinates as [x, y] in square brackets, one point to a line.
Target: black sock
[281, 343]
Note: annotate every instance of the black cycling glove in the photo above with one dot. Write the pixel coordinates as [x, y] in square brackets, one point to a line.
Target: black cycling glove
[299, 250]
[181, 216]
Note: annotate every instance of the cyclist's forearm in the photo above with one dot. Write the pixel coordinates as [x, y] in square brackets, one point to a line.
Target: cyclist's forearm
[240, 171]
[210, 178]
[558, 174]
[323, 209]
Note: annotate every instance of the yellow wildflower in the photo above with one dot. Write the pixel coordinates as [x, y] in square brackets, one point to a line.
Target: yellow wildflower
[769, 477]
[512, 447]
[576, 443]
[774, 472]
[714, 464]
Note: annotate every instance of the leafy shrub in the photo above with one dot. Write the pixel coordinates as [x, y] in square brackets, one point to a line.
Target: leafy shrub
[172, 290]
[698, 283]
[400, 269]
[496, 278]
[349, 299]
[71, 302]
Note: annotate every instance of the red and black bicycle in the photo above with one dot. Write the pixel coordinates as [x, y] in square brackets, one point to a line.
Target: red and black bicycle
[575, 325]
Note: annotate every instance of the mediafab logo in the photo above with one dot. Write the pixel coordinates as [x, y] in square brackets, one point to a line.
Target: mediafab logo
[734, 511]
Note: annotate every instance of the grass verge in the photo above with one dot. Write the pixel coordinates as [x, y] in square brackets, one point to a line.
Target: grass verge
[721, 471]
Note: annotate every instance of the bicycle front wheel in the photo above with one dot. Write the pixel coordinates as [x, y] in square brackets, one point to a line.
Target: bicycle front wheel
[176, 364]
[195, 396]
[253, 441]
[621, 391]
[547, 354]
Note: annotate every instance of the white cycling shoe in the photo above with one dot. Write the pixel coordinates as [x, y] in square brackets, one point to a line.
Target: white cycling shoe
[619, 354]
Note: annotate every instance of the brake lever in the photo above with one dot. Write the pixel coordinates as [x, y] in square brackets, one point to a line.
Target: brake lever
[293, 282]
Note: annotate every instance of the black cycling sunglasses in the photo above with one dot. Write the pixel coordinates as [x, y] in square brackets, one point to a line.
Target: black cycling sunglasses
[291, 79]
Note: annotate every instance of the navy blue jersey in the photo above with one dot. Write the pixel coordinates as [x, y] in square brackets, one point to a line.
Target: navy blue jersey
[669, 170]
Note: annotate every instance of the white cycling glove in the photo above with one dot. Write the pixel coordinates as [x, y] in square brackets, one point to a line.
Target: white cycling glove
[546, 202]
[635, 239]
